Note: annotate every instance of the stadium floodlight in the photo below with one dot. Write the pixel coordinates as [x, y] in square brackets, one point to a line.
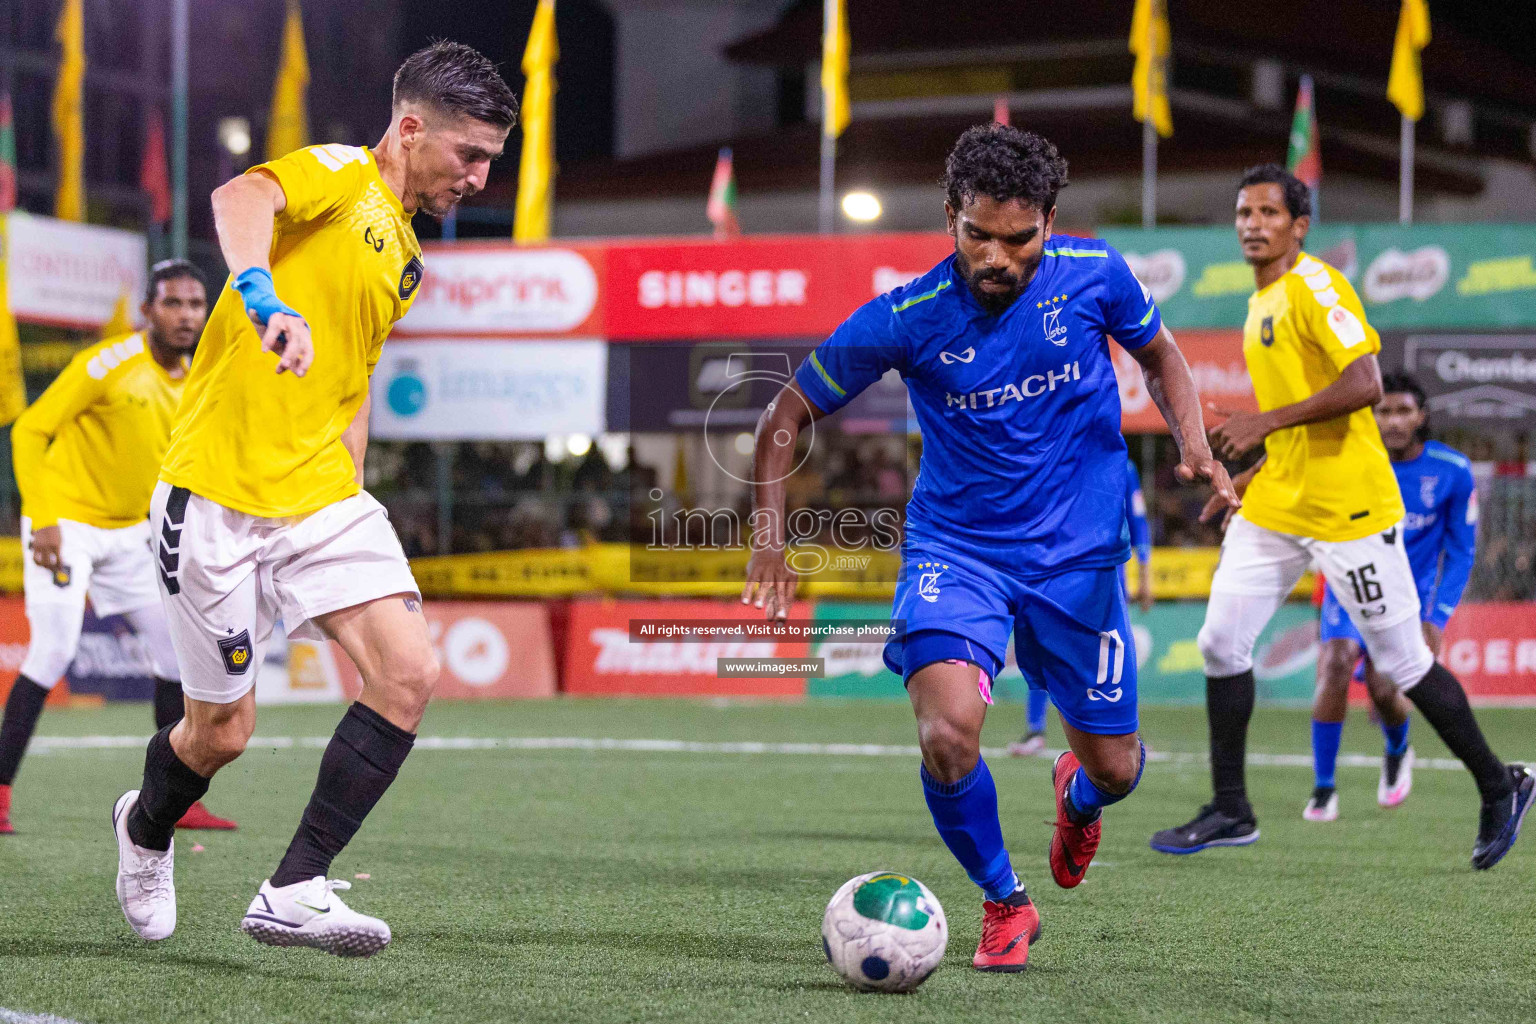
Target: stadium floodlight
[578, 445]
[861, 206]
[235, 135]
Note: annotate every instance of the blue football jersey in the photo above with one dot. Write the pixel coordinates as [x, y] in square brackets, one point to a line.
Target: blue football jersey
[1023, 461]
[1440, 529]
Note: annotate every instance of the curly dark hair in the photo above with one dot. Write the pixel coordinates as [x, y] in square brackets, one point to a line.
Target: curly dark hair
[457, 79]
[1403, 383]
[1298, 198]
[1003, 163]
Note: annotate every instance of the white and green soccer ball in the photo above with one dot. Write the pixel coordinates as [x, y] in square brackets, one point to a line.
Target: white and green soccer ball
[884, 932]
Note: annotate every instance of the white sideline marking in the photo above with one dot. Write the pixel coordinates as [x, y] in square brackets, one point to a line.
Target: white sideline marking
[17, 1017]
[61, 744]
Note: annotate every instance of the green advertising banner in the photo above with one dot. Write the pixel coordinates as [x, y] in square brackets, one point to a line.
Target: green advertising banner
[1169, 667]
[1456, 276]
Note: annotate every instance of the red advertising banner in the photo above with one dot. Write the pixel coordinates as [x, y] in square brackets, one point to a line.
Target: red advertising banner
[763, 287]
[1216, 360]
[488, 649]
[601, 659]
[1492, 650]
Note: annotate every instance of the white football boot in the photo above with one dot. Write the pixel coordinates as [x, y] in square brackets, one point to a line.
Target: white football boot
[311, 914]
[1390, 793]
[1325, 810]
[146, 882]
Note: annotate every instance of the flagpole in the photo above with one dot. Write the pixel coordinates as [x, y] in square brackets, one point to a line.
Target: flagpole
[1405, 175]
[179, 35]
[1148, 172]
[825, 210]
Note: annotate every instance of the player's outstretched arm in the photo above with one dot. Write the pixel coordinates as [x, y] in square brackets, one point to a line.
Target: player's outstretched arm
[243, 209]
[1358, 387]
[770, 580]
[1172, 387]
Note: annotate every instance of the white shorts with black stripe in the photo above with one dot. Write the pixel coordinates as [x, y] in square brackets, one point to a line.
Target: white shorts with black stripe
[228, 579]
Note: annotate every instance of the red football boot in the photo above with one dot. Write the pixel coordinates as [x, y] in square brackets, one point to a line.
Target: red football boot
[1072, 845]
[198, 816]
[1006, 932]
[5, 811]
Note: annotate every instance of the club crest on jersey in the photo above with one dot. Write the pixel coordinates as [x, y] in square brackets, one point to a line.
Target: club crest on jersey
[928, 580]
[1427, 490]
[237, 653]
[1267, 332]
[964, 357]
[410, 277]
[1054, 332]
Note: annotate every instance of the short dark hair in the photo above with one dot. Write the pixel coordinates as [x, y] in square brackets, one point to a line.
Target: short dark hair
[170, 270]
[1003, 163]
[1298, 198]
[457, 79]
[1400, 383]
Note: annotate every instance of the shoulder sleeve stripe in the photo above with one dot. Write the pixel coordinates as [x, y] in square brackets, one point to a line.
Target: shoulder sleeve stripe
[914, 300]
[1089, 253]
[826, 377]
[1451, 457]
[1150, 310]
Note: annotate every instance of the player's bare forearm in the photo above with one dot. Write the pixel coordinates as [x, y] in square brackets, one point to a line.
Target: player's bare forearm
[1358, 387]
[355, 437]
[769, 578]
[243, 209]
[1172, 388]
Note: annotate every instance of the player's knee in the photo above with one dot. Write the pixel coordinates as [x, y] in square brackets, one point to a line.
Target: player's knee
[950, 750]
[408, 679]
[1222, 654]
[1405, 662]
[1334, 669]
[1118, 772]
[212, 745]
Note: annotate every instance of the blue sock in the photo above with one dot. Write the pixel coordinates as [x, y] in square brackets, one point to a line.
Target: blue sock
[1397, 738]
[1325, 750]
[1087, 799]
[1039, 702]
[965, 813]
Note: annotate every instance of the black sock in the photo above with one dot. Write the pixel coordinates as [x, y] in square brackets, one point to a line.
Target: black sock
[1228, 706]
[1443, 703]
[168, 703]
[169, 788]
[360, 762]
[22, 709]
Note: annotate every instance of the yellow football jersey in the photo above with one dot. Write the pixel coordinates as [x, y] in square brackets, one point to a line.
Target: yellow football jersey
[344, 256]
[1331, 480]
[89, 448]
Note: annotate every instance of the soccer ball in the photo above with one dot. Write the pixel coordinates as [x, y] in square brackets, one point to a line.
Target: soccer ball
[884, 932]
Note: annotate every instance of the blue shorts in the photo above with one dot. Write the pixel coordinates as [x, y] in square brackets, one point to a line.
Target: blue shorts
[1336, 624]
[1071, 632]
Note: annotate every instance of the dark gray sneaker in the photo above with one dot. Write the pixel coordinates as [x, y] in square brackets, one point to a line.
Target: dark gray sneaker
[1499, 824]
[1210, 828]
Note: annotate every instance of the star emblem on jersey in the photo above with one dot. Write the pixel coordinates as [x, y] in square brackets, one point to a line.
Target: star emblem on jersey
[410, 277]
[928, 580]
[964, 357]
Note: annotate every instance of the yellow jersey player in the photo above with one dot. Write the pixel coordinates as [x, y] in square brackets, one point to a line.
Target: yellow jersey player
[259, 516]
[1325, 492]
[86, 455]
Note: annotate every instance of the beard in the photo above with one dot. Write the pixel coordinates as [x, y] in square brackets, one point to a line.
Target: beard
[993, 302]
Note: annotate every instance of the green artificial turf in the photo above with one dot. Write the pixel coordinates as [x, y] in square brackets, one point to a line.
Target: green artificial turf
[593, 886]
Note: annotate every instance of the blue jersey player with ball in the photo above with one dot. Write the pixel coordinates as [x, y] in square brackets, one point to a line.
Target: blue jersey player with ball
[1017, 523]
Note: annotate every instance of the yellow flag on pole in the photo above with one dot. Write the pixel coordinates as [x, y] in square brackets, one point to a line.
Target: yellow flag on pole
[13, 390]
[536, 168]
[1151, 42]
[288, 121]
[68, 113]
[835, 47]
[1405, 82]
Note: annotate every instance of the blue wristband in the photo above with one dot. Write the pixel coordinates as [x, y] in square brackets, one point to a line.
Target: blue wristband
[256, 288]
